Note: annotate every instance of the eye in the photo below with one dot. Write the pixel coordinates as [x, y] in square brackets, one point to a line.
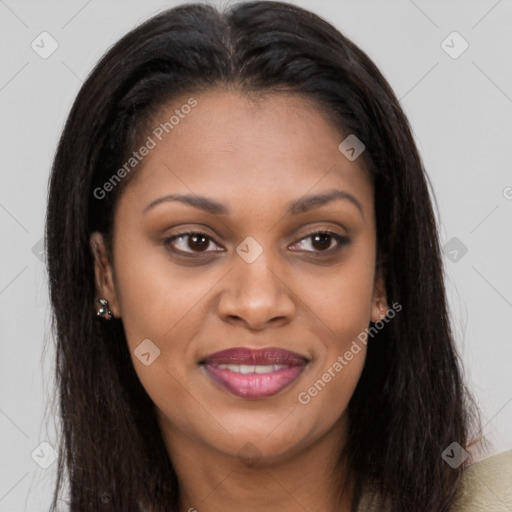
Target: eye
[322, 241]
[196, 241]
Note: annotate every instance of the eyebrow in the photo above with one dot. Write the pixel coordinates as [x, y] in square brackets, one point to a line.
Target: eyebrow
[295, 207]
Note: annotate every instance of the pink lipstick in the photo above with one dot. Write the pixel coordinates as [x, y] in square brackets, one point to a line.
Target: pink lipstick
[250, 373]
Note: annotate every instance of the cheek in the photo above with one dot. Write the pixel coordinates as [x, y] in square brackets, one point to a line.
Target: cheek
[154, 294]
[338, 302]
[158, 303]
[329, 389]
[342, 308]
[163, 303]
[330, 382]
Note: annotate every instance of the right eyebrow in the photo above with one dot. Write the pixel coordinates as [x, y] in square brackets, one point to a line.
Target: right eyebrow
[203, 203]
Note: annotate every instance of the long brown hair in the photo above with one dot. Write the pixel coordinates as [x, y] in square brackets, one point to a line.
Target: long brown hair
[410, 403]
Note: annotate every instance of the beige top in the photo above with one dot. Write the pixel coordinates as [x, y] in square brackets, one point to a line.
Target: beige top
[486, 487]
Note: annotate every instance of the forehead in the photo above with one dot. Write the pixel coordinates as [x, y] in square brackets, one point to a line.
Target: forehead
[271, 148]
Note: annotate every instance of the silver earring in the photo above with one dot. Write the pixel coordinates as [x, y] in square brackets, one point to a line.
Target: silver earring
[103, 311]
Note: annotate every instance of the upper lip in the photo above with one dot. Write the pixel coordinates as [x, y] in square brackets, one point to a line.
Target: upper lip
[250, 356]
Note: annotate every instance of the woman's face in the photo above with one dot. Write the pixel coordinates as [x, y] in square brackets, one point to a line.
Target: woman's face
[254, 278]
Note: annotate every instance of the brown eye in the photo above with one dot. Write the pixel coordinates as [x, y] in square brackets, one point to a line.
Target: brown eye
[189, 242]
[198, 241]
[321, 241]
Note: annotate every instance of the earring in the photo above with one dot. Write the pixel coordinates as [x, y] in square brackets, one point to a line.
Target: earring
[103, 311]
[382, 314]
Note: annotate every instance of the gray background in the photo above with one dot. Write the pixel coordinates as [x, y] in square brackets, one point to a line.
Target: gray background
[460, 110]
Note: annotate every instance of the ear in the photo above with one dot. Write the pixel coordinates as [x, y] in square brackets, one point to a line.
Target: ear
[379, 303]
[103, 273]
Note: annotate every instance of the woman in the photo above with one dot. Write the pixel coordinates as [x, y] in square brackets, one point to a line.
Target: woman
[246, 279]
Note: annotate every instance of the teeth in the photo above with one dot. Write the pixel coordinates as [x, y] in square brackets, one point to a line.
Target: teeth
[266, 368]
[245, 369]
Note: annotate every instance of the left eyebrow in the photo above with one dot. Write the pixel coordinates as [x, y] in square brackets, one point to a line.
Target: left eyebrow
[307, 203]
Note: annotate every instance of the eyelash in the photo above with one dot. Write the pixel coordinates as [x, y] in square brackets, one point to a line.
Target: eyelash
[341, 240]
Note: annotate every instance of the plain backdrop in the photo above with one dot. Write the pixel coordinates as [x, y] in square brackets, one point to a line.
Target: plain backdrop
[459, 104]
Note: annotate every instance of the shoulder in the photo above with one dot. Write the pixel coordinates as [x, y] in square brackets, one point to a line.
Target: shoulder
[487, 485]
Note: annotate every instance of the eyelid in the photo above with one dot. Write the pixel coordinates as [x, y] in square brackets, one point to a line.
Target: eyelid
[340, 239]
[190, 232]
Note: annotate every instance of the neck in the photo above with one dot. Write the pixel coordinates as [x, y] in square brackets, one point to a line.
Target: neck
[307, 480]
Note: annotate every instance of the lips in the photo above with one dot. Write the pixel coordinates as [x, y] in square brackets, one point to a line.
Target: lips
[250, 373]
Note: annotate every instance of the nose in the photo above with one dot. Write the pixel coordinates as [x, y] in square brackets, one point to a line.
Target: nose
[256, 295]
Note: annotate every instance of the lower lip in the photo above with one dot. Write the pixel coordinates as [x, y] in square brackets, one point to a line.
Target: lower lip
[254, 385]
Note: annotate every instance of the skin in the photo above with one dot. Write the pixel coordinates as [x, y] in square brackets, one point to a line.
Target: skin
[254, 157]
